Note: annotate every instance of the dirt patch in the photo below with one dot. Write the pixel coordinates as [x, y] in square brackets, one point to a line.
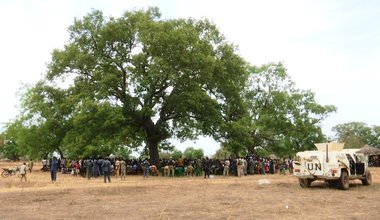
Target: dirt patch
[250, 197]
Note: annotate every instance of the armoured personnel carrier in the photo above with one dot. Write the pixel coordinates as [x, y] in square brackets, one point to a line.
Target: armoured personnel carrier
[332, 164]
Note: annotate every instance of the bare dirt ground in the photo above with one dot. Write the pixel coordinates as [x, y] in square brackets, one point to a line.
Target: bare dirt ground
[251, 197]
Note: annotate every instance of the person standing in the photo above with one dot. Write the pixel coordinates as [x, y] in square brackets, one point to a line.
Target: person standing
[117, 168]
[290, 166]
[53, 169]
[76, 167]
[239, 167]
[245, 166]
[271, 166]
[123, 169]
[206, 167]
[226, 169]
[189, 170]
[23, 171]
[284, 167]
[89, 168]
[171, 167]
[146, 165]
[198, 167]
[96, 168]
[106, 166]
[263, 166]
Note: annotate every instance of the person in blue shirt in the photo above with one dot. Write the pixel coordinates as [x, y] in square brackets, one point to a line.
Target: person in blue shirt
[146, 166]
[106, 166]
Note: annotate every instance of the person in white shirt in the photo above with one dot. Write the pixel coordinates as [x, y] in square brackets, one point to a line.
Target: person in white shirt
[23, 171]
[226, 166]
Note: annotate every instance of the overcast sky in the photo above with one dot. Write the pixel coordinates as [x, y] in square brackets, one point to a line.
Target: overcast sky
[329, 47]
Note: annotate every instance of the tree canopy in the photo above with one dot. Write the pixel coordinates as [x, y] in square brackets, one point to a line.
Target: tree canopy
[357, 134]
[281, 118]
[139, 80]
[136, 79]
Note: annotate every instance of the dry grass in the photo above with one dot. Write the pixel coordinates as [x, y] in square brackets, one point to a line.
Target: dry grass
[279, 197]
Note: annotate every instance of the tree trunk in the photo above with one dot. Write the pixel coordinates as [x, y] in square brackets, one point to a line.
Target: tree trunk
[153, 152]
[153, 139]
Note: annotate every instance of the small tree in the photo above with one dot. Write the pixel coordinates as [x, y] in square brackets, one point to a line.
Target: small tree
[354, 134]
[176, 154]
[8, 148]
[192, 153]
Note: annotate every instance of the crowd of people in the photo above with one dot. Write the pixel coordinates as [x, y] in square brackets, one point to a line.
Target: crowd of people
[120, 168]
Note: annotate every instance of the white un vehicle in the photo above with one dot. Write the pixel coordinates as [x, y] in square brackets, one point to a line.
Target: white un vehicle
[332, 164]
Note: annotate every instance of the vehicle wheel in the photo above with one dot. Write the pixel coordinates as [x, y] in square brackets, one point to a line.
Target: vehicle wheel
[344, 181]
[331, 183]
[305, 183]
[5, 173]
[367, 179]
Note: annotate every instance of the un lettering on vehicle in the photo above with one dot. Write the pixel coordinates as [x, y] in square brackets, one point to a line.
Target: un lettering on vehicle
[314, 166]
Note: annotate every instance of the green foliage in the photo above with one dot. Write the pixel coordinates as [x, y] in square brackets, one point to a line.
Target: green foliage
[189, 152]
[165, 154]
[284, 119]
[357, 134]
[375, 139]
[263, 153]
[222, 154]
[176, 154]
[123, 152]
[192, 153]
[8, 148]
[168, 78]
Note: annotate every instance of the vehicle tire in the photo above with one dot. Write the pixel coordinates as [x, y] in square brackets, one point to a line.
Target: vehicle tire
[331, 183]
[367, 179]
[344, 181]
[5, 173]
[305, 183]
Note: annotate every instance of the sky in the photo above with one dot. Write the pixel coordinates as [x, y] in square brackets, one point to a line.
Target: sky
[329, 47]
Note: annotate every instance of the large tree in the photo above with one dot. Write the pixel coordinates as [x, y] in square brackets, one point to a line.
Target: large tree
[161, 78]
[281, 118]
